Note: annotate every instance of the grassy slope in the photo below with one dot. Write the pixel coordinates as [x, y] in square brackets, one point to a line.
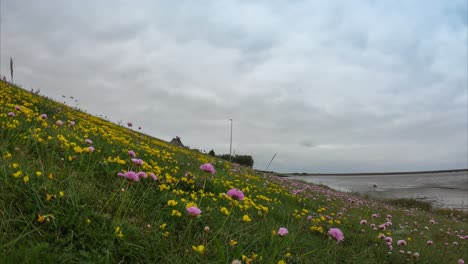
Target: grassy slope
[61, 203]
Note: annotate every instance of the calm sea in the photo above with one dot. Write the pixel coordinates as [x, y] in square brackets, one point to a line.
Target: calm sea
[443, 189]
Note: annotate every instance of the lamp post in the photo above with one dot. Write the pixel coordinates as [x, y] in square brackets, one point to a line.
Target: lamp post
[230, 144]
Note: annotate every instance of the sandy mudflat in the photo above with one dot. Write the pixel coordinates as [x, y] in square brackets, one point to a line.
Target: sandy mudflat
[442, 189]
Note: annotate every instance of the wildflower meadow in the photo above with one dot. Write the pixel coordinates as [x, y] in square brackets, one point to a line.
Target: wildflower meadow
[78, 188]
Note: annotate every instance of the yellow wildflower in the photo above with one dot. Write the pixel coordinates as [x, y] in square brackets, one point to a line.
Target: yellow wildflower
[61, 194]
[38, 173]
[224, 210]
[281, 262]
[118, 232]
[246, 218]
[17, 174]
[163, 187]
[162, 226]
[48, 197]
[15, 165]
[232, 243]
[199, 249]
[88, 221]
[40, 218]
[172, 203]
[176, 213]
[78, 149]
[26, 179]
[51, 176]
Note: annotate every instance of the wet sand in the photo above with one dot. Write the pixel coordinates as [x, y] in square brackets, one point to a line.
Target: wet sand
[441, 189]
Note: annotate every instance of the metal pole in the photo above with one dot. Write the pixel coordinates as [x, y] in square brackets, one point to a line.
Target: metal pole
[230, 145]
[271, 161]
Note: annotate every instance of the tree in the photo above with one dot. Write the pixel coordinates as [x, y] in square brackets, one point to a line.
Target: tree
[212, 153]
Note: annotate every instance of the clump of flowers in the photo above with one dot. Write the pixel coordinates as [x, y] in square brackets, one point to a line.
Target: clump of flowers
[132, 153]
[282, 231]
[193, 211]
[336, 234]
[208, 168]
[401, 242]
[138, 162]
[129, 175]
[236, 194]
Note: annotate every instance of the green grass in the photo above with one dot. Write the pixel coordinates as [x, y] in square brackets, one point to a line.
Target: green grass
[60, 203]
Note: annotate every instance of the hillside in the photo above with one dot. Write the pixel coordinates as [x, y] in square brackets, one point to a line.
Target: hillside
[77, 188]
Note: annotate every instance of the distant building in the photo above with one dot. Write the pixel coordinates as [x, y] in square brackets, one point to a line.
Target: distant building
[176, 141]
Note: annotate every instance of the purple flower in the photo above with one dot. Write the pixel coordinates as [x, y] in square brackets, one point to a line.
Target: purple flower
[336, 234]
[282, 231]
[132, 153]
[363, 222]
[142, 174]
[90, 149]
[138, 162]
[401, 242]
[11, 114]
[208, 168]
[72, 123]
[87, 141]
[18, 107]
[131, 176]
[153, 176]
[193, 211]
[43, 116]
[59, 122]
[236, 194]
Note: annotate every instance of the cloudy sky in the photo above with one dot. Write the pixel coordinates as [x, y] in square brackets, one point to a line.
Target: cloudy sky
[331, 86]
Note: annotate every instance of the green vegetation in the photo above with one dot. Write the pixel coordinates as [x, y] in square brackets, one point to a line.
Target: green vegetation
[244, 160]
[61, 200]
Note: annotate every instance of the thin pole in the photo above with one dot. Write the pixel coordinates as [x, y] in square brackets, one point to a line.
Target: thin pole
[230, 144]
[271, 161]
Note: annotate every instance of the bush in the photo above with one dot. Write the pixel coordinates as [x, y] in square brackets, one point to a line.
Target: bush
[245, 160]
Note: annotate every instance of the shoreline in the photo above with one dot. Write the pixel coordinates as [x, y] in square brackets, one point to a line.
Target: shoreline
[371, 173]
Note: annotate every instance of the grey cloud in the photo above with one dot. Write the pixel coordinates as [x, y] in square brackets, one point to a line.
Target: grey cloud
[365, 86]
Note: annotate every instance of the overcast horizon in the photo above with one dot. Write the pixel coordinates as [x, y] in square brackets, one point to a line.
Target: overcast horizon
[348, 86]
